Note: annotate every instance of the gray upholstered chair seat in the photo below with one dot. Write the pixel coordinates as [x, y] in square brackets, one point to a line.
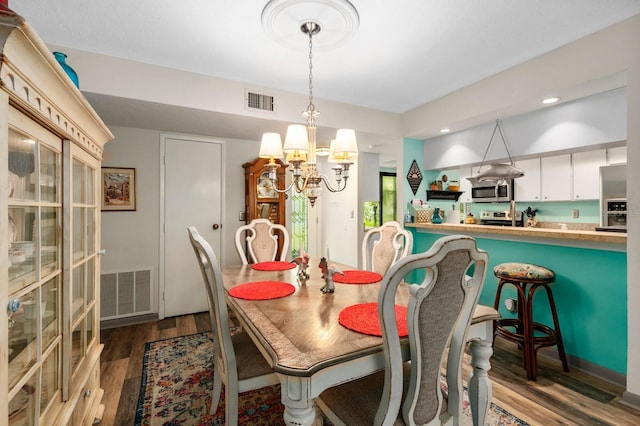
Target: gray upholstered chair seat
[249, 360]
[361, 406]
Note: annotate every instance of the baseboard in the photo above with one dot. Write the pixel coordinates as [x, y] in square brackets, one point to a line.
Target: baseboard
[120, 322]
[631, 400]
[590, 368]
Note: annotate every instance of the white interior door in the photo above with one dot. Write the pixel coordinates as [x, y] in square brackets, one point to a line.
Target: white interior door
[192, 196]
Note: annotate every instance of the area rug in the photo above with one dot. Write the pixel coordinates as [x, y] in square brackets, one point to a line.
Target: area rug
[177, 380]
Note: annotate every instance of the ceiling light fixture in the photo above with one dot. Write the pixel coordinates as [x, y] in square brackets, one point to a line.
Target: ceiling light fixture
[552, 100]
[445, 130]
[300, 146]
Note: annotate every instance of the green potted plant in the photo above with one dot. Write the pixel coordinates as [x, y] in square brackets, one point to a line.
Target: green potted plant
[433, 185]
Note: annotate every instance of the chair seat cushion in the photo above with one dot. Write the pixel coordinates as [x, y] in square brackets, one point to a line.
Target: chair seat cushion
[356, 402]
[517, 271]
[249, 360]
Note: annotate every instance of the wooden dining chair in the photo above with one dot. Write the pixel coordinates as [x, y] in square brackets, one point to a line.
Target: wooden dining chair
[261, 241]
[439, 313]
[238, 363]
[384, 245]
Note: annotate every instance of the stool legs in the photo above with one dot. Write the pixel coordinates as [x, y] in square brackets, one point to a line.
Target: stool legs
[525, 327]
[556, 324]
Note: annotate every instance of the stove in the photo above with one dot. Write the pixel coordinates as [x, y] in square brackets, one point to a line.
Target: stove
[500, 218]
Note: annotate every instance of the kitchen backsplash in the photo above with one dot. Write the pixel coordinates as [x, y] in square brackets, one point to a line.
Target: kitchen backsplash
[547, 212]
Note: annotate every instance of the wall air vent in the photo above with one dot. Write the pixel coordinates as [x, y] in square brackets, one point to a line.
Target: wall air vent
[124, 294]
[260, 101]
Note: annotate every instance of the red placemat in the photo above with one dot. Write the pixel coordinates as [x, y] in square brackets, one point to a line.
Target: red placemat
[357, 277]
[262, 290]
[363, 318]
[275, 265]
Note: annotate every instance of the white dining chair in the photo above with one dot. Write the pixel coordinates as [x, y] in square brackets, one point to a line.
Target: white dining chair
[439, 313]
[261, 241]
[238, 363]
[384, 245]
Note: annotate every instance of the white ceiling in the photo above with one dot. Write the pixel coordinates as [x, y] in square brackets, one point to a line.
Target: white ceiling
[405, 53]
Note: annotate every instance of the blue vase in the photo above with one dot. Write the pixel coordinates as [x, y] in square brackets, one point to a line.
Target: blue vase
[62, 60]
[436, 216]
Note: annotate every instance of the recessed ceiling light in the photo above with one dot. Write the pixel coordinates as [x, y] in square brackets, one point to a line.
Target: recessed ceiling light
[445, 130]
[552, 100]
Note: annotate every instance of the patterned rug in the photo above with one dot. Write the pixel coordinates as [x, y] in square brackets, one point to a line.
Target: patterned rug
[177, 380]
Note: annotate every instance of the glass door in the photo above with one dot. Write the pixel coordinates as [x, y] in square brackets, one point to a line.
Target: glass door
[388, 197]
[34, 276]
[80, 269]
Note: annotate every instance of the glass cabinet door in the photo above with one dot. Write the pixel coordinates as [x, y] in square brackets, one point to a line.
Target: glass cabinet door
[82, 195]
[35, 270]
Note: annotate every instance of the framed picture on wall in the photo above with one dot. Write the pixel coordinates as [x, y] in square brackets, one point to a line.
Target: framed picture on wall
[118, 189]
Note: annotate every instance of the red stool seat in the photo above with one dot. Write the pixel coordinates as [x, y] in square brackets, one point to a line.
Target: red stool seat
[523, 330]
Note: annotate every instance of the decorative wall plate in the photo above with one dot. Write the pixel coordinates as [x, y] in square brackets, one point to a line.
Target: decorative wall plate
[414, 177]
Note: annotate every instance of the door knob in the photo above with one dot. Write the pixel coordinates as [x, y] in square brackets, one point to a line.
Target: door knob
[216, 226]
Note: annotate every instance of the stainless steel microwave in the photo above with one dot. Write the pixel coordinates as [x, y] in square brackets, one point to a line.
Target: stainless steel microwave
[492, 192]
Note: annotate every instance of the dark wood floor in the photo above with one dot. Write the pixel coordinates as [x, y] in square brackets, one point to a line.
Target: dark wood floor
[556, 398]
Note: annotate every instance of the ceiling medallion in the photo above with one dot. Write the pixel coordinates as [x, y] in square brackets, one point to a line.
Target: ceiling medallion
[282, 20]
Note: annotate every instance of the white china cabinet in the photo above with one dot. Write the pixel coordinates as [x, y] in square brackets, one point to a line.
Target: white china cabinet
[51, 144]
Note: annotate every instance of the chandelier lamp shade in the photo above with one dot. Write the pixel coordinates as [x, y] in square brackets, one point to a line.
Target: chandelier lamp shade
[300, 146]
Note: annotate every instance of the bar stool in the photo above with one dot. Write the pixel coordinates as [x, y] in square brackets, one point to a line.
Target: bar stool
[522, 330]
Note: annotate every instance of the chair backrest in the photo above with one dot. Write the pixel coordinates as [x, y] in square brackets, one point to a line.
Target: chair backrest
[261, 241]
[438, 316]
[384, 245]
[218, 314]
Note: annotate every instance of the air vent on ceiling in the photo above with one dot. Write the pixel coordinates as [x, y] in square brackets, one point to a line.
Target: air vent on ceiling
[260, 101]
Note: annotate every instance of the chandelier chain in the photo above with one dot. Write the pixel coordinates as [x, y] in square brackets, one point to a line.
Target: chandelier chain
[311, 106]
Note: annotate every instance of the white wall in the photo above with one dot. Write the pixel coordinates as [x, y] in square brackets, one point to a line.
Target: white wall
[339, 219]
[132, 238]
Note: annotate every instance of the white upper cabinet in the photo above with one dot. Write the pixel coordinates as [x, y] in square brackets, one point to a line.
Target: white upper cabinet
[556, 177]
[586, 174]
[527, 187]
[617, 155]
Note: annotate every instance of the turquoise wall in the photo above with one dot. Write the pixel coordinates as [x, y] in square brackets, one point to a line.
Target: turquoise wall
[590, 294]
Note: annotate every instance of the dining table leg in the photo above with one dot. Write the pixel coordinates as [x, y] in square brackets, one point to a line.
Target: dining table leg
[299, 407]
[479, 383]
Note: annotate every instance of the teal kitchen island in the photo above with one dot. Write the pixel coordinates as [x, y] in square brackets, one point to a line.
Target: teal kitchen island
[590, 289]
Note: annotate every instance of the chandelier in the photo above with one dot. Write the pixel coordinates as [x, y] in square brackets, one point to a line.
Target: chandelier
[300, 146]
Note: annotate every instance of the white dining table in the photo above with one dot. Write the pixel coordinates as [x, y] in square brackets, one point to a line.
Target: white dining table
[299, 335]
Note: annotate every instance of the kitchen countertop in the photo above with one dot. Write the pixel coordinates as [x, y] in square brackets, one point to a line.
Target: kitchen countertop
[568, 236]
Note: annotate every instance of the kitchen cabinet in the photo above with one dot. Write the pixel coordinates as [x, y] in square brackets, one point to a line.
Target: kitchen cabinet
[51, 142]
[556, 178]
[586, 174]
[528, 187]
[617, 155]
